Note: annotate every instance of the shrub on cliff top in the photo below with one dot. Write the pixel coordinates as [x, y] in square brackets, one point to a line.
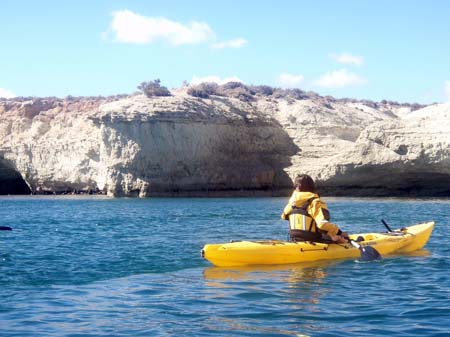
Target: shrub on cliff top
[231, 89]
[293, 93]
[236, 90]
[263, 90]
[203, 90]
[154, 89]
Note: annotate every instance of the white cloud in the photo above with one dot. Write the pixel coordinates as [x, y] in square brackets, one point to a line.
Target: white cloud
[339, 78]
[350, 59]
[235, 43]
[5, 93]
[214, 79]
[447, 90]
[290, 80]
[130, 27]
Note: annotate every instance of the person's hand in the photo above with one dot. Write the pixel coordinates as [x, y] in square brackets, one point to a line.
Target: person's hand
[339, 239]
[345, 236]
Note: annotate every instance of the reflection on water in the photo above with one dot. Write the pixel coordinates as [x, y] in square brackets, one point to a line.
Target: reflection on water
[417, 253]
[304, 283]
[290, 273]
[293, 292]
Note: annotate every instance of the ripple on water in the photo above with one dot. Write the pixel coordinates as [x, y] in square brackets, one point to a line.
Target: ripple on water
[132, 267]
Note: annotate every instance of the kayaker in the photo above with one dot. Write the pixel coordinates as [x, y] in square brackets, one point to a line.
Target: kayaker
[308, 215]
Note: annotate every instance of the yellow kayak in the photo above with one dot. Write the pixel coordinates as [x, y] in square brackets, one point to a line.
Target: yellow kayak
[273, 252]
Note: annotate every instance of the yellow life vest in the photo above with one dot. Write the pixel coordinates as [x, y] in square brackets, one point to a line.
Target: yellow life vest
[300, 219]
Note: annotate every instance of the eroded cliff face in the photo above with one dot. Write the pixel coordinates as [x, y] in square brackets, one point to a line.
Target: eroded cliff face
[354, 149]
[140, 146]
[403, 156]
[182, 145]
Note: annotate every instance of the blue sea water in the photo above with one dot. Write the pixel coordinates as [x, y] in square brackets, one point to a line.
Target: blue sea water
[92, 266]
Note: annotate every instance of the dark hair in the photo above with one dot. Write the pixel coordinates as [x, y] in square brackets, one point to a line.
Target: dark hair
[304, 183]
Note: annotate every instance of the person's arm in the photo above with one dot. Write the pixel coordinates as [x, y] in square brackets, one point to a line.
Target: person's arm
[321, 215]
[288, 208]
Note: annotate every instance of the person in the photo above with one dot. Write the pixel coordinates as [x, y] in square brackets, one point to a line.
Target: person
[308, 215]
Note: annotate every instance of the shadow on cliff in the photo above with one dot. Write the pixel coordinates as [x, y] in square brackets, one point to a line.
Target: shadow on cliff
[389, 181]
[11, 182]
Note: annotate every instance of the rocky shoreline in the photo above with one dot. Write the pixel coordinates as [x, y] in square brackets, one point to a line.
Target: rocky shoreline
[249, 143]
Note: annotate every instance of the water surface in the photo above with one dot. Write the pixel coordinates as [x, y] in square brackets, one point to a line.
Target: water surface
[90, 266]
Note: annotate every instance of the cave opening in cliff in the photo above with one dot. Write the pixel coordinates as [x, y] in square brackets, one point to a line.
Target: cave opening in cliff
[11, 182]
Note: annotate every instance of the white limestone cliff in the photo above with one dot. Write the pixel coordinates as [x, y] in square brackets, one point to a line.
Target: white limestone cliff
[183, 145]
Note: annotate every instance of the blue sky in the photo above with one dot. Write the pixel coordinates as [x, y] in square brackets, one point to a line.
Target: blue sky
[395, 50]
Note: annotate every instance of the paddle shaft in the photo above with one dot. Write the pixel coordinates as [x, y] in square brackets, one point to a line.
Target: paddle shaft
[386, 225]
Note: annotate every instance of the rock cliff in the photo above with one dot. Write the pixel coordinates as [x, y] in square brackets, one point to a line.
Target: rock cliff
[184, 145]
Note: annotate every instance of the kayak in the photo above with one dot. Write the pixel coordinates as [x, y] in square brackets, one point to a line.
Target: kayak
[273, 252]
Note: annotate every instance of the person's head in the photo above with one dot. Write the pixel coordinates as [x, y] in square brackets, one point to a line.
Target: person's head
[304, 183]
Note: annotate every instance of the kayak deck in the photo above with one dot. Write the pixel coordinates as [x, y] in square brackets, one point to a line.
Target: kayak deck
[272, 252]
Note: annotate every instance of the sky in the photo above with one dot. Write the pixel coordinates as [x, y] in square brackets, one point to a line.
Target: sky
[394, 50]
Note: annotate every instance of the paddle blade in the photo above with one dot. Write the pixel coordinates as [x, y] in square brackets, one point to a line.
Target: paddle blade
[5, 228]
[369, 254]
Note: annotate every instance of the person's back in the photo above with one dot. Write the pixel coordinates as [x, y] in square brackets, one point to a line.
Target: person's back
[308, 215]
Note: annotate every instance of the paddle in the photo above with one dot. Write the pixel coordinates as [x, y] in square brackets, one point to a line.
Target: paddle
[386, 225]
[367, 253]
[5, 228]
